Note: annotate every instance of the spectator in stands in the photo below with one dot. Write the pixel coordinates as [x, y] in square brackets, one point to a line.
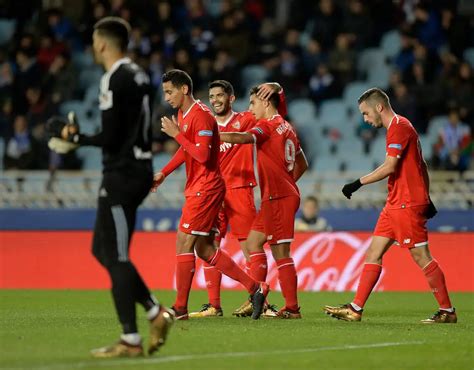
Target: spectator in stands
[357, 24]
[21, 149]
[405, 57]
[428, 26]
[28, 73]
[39, 107]
[309, 219]
[326, 24]
[367, 134]
[322, 84]
[463, 92]
[342, 59]
[404, 101]
[61, 78]
[48, 50]
[6, 78]
[452, 150]
[312, 56]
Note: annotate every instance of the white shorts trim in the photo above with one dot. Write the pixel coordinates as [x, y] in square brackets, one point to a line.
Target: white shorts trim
[202, 233]
[422, 244]
[281, 241]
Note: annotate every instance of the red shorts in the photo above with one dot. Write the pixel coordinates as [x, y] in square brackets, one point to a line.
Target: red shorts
[407, 226]
[238, 211]
[276, 219]
[199, 215]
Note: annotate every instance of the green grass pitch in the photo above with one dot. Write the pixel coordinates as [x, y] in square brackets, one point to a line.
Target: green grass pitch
[56, 329]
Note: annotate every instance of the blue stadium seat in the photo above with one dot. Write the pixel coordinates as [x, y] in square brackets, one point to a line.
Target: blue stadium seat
[160, 160]
[390, 43]
[253, 75]
[89, 77]
[427, 146]
[379, 147]
[82, 60]
[469, 56]
[435, 125]
[240, 105]
[369, 59]
[352, 91]
[7, 29]
[76, 106]
[362, 163]
[379, 76]
[302, 110]
[326, 164]
[91, 158]
[333, 113]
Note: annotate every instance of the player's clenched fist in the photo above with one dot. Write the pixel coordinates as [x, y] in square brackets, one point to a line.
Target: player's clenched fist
[350, 188]
[170, 126]
[158, 179]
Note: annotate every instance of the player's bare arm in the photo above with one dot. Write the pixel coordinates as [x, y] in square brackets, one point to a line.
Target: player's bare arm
[301, 165]
[170, 126]
[384, 170]
[237, 137]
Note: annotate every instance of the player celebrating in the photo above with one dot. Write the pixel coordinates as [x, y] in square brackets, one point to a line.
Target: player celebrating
[126, 148]
[408, 206]
[281, 162]
[238, 211]
[196, 131]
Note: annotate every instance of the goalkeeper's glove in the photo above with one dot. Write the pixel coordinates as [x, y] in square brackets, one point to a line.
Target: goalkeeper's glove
[431, 211]
[64, 133]
[350, 188]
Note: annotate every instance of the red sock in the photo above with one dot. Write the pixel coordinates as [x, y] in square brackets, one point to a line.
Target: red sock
[288, 282]
[369, 277]
[258, 266]
[435, 278]
[227, 266]
[185, 266]
[213, 283]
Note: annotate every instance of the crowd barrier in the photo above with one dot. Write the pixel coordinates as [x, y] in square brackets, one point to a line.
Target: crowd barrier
[324, 261]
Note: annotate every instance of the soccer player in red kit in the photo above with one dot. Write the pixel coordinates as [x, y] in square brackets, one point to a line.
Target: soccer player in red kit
[403, 219]
[237, 168]
[280, 162]
[196, 131]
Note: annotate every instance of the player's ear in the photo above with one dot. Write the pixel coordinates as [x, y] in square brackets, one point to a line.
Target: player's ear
[232, 98]
[185, 89]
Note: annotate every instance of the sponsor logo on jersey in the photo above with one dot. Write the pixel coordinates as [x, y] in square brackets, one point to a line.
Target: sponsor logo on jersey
[395, 146]
[205, 133]
[186, 226]
[406, 241]
[224, 146]
[236, 125]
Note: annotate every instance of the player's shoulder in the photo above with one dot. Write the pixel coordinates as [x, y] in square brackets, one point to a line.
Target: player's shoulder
[129, 75]
[401, 124]
[200, 112]
[245, 119]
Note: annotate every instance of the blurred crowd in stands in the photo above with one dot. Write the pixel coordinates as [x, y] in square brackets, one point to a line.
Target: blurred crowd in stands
[310, 47]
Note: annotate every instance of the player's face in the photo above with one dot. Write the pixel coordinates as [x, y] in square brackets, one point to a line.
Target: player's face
[174, 96]
[257, 106]
[98, 45]
[370, 114]
[220, 101]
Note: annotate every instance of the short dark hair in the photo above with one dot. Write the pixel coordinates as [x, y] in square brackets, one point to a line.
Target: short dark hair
[312, 198]
[274, 99]
[116, 29]
[225, 85]
[375, 95]
[178, 78]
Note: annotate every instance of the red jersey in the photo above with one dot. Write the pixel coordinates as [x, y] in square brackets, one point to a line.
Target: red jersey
[277, 147]
[236, 160]
[196, 125]
[406, 186]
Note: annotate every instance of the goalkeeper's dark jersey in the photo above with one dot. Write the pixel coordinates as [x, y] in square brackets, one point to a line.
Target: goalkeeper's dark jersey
[124, 101]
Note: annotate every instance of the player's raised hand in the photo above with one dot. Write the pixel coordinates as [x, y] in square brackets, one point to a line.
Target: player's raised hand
[158, 179]
[350, 188]
[170, 126]
[267, 89]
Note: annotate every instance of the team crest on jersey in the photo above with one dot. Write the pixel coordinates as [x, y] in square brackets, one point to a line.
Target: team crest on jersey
[236, 125]
[185, 127]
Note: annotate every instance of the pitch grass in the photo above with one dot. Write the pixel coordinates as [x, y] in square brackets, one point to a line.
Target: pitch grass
[56, 329]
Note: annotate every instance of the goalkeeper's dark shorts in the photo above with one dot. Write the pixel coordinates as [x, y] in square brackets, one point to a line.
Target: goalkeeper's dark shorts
[119, 198]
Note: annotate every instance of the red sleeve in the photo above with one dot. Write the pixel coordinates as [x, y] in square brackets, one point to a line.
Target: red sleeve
[282, 108]
[397, 140]
[200, 150]
[247, 122]
[176, 161]
[261, 132]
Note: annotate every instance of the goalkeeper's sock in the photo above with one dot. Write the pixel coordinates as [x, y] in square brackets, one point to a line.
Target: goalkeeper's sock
[133, 339]
[435, 277]
[288, 282]
[185, 267]
[227, 266]
[213, 283]
[258, 266]
[369, 277]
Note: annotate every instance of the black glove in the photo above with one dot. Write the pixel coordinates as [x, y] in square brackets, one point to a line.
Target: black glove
[55, 126]
[350, 188]
[431, 211]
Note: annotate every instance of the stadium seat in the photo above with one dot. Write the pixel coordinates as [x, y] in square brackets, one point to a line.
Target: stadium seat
[302, 110]
[469, 56]
[379, 76]
[390, 43]
[76, 106]
[369, 59]
[378, 147]
[326, 164]
[333, 113]
[91, 158]
[435, 124]
[7, 29]
[240, 105]
[427, 146]
[361, 163]
[89, 76]
[352, 91]
[82, 60]
[253, 75]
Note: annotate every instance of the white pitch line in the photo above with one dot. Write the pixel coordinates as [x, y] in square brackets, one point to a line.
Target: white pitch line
[178, 358]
